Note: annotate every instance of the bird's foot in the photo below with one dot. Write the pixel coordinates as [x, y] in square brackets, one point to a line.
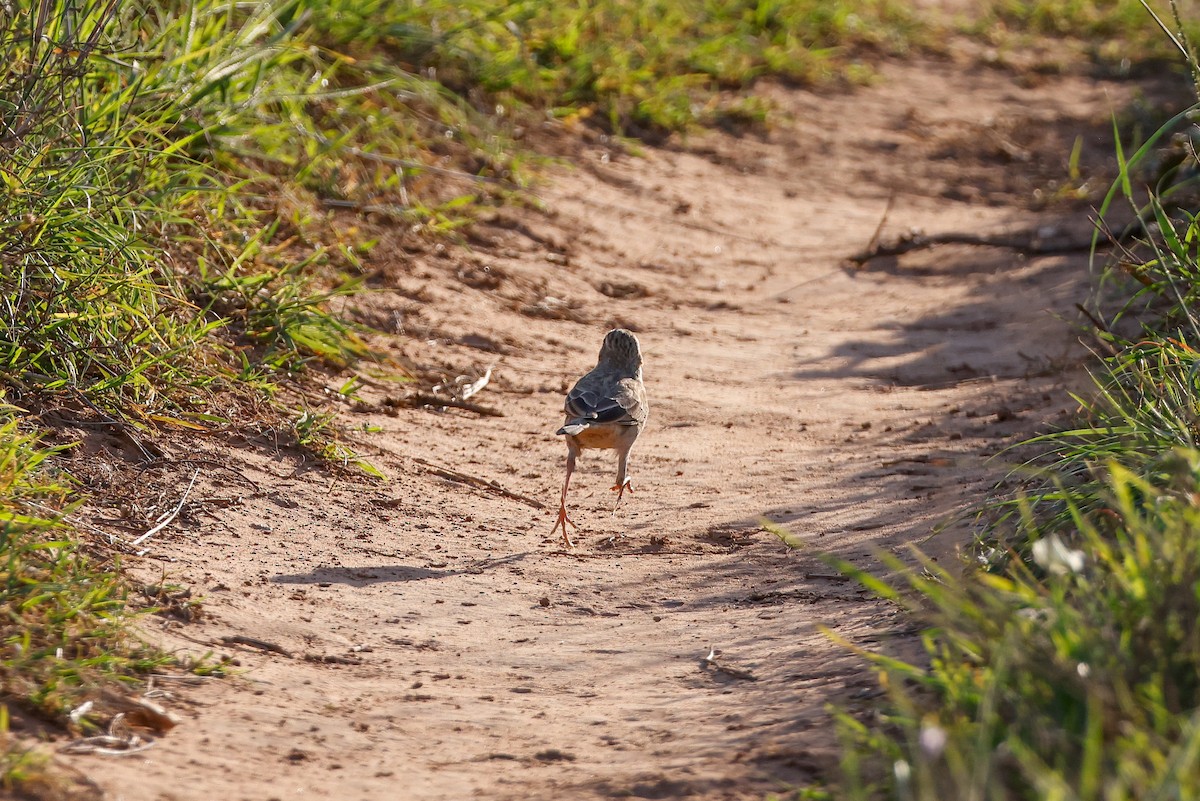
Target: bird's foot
[562, 522]
[621, 489]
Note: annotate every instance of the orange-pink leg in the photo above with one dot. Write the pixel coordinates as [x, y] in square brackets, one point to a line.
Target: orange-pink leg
[563, 520]
[621, 489]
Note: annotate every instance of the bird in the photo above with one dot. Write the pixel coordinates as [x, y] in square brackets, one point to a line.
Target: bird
[606, 409]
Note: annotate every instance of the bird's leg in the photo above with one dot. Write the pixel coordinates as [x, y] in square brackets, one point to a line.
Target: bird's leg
[623, 481]
[563, 520]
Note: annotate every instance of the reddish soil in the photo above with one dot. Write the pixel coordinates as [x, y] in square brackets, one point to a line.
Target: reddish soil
[473, 656]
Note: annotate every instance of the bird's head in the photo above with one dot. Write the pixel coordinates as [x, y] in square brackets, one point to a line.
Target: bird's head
[622, 349]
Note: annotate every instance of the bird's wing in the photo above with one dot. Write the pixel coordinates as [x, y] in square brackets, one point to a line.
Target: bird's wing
[594, 407]
[601, 397]
[631, 396]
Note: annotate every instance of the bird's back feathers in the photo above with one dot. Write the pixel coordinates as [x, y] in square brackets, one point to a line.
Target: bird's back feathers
[612, 394]
[599, 398]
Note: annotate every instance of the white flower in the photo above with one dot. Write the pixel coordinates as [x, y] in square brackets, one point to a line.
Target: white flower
[933, 740]
[989, 557]
[1052, 554]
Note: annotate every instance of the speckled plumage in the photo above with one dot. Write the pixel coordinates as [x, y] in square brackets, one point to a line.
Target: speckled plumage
[605, 409]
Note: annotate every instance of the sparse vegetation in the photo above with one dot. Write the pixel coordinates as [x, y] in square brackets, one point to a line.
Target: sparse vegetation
[1064, 663]
[649, 67]
[62, 634]
[1111, 31]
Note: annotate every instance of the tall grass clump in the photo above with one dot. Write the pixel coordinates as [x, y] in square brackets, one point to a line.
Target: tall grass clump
[61, 632]
[1072, 675]
[122, 232]
[1065, 663]
[143, 264]
[147, 261]
[84, 307]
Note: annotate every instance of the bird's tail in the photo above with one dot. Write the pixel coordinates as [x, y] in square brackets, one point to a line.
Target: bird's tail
[571, 429]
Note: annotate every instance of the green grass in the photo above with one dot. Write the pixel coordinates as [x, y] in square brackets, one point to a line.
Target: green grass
[646, 67]
[25, 769]
[131, 256]
[1072, 674]
[1093, 20]
[61, 632]
[1114, 34]
[1065, 662]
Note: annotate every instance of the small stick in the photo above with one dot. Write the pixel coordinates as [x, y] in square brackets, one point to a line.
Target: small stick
[185, 678]
[262, 645]
[922, 459]
[462, 387]
[910, 242]
[612, 553]
[477, 385]
[454, 475]
[873, 242]
[333, 659]
[1100, 326]
[170, 516]
[425, 399]
[107, 745]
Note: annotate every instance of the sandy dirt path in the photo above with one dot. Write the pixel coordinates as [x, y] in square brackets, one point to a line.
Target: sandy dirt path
[472, 655]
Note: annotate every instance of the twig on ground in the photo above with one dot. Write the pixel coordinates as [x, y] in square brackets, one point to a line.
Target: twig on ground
[1100, 326]
[1029, 245]
[185, 678]
[120, 740]
[262, 645]
[476, 386]
[463, 387]
[922, 458]
[166, 520]
[613, 553]
[333, 659]
[455, 475]
[426, 399]
[873, 242]
[826, 577]
[104, 745]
